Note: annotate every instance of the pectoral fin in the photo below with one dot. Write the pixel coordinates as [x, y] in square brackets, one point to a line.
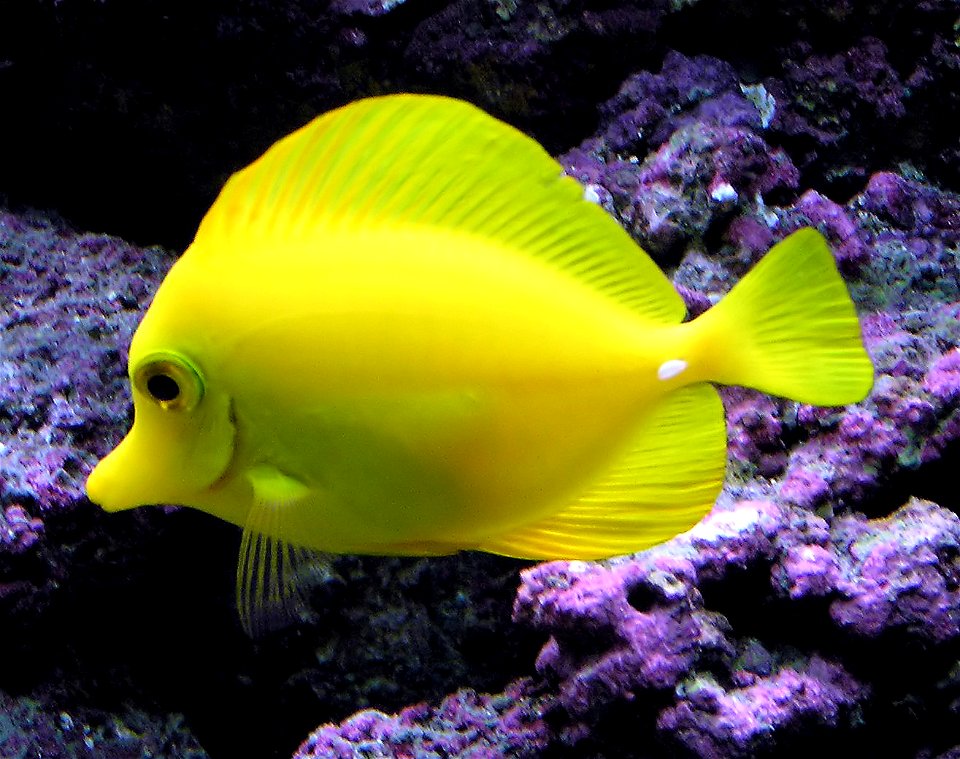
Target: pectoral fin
[274, 574]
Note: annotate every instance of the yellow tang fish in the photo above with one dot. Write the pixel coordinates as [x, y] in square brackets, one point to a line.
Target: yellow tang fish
[403, 331]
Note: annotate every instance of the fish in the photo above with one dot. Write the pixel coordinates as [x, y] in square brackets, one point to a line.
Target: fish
[403, 330]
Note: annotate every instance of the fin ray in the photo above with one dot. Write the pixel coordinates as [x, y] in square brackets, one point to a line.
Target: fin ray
[665, 483]
[791, 328]
[274, 575]
[433, 162]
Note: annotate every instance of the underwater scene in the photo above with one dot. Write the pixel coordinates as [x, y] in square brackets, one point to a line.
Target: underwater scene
[464, 379]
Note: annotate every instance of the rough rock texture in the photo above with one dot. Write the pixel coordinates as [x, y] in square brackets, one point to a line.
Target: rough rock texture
[70, 305]
[394, 629]
[141, 115]
[764, 630]
[641, 626]
[896, 574]
[816, 609]
[29, 729]
[465, 724]
[130, 121]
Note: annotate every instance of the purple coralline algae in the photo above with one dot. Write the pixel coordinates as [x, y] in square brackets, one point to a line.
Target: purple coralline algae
[656, 638]
[828, 93]
[711, 154]
[603, 647]
[711, 721]
[909, 286]
[817, 605]
[18, 530]
[68, 306]
[58, 382]
[69, 303]
[641, 624]
[900, 573]
[466, 724]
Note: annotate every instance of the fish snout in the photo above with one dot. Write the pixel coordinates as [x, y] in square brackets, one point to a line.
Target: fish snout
[108, 484]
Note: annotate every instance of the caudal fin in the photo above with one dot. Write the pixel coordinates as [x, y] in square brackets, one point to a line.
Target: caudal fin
[789, 328]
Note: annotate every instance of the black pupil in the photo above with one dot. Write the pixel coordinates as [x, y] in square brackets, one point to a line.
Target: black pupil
[163, 387]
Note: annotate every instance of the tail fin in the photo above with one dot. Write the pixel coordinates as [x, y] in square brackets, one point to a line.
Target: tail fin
[789, 328]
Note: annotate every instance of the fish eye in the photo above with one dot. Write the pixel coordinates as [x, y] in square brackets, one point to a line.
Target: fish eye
[170, 381]
[163, 388]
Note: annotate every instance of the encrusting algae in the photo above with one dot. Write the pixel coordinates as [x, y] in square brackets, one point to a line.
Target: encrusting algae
[403, 331]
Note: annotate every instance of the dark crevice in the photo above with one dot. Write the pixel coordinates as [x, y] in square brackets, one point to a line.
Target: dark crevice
[131, 122]
[934, 481]
[643, 597]
[912, 697]
[142, 612]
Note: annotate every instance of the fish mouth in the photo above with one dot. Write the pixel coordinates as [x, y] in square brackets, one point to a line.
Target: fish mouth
[148, 467]
[106, 487]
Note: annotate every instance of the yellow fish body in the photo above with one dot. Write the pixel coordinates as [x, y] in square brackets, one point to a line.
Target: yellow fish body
[403, 331]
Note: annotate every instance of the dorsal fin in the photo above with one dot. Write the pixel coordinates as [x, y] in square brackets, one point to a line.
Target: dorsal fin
[428, 161]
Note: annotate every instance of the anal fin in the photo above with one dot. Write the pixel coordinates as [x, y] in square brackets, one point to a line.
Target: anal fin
[665, 482]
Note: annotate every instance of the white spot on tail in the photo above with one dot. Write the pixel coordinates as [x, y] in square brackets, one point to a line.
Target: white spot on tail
[670, 369]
